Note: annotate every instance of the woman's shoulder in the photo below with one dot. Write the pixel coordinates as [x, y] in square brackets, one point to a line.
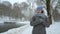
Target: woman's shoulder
[44, 16]
[41, 15]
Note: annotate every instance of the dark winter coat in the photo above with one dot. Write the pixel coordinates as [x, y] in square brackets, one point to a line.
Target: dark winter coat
[39, 22]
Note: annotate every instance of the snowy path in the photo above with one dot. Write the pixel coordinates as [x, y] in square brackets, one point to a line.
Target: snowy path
[27, 29]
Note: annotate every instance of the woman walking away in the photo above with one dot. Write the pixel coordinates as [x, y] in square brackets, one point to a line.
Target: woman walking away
[39, 22]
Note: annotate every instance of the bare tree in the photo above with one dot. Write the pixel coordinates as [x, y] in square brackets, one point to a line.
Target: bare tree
[4, 9]
[56, 12]
[7, 3]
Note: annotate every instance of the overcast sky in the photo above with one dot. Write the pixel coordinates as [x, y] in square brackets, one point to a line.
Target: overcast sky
[13, 1]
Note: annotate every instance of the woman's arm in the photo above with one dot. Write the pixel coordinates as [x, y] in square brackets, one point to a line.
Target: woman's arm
[35, 21]
[45, 22]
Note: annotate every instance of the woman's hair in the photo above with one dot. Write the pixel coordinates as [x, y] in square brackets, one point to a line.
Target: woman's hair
[42, 11]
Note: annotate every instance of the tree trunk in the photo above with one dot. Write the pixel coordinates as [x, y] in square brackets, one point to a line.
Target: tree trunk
[48, 11]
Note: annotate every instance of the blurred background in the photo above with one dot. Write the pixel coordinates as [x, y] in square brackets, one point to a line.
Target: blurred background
[17, 13]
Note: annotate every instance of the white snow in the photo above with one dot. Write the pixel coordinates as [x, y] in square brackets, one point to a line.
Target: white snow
[54, 28]
[27, 29]
[13, 1]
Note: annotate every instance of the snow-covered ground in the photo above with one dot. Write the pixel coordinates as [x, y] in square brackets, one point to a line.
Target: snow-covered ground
[27, 29]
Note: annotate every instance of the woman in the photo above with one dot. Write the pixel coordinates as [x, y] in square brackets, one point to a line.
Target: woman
[39, 21]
